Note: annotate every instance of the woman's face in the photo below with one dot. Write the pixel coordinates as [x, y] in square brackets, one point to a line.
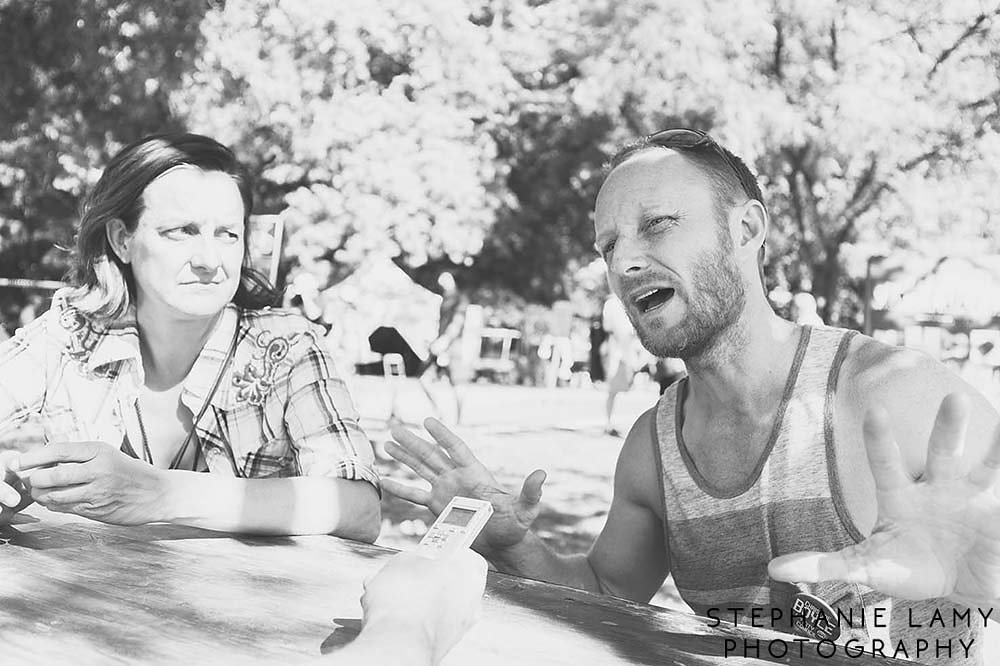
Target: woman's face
[187, 248]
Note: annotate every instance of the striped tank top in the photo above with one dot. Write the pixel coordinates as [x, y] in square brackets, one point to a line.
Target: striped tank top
[719, 544]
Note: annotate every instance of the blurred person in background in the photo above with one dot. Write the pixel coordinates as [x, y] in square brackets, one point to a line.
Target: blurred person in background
[597, 336]
[416, 609]
[792, 457]
[163, 361]
[666, 371]
[622, 357]
[804, 309]
[304, 295]
[449, 355]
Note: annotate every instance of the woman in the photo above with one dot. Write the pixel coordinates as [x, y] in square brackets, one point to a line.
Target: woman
[164, 360]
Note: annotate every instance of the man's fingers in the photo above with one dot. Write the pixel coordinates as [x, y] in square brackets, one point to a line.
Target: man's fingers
[883, 452]
[61, 475]
[407, 492]
[430, 454]
[809, 567]
[404, 456]
[51, 454]
[452, 443]
[944, 451]
[986, 473]
[531, 491]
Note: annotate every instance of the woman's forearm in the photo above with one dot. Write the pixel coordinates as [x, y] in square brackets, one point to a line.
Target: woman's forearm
[294, 505]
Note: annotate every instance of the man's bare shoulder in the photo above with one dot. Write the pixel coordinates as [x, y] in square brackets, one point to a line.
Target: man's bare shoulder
[909, 385]
[873, 368]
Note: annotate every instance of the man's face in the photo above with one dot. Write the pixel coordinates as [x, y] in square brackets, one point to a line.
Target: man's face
[187, 248]
[669, 256]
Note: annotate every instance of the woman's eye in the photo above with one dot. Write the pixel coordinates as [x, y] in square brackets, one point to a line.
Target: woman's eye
[177, 232]
[607, 249]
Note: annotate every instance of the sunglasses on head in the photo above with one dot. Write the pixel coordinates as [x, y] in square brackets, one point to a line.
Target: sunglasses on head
[682, 138]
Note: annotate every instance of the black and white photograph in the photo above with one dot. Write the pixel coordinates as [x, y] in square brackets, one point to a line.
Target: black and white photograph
[536, 332]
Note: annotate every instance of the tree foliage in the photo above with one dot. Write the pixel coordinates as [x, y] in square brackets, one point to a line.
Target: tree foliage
[369, 123]
[77, 81]
[470, 135]
[848, 110]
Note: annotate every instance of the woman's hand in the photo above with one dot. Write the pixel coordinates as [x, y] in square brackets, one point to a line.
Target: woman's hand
[94, 480]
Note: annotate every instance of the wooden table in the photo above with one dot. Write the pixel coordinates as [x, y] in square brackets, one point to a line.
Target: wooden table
[80, 592]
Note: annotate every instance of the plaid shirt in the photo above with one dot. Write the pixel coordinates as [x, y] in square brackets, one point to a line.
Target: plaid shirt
[281, 408]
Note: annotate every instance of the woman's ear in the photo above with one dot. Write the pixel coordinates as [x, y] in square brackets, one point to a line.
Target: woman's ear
[118, 237]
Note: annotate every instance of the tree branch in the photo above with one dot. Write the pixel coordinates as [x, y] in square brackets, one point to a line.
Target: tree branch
[795, 196]
[834, 63]
[969, 31]
[779, 47]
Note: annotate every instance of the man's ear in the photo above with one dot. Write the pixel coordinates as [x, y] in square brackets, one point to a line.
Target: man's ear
[753, 223]
[118, 237]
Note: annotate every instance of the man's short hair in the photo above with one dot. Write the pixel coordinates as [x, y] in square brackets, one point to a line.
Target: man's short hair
[732, 180]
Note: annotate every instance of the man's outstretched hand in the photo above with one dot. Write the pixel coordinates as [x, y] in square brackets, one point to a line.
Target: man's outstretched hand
[451, 469]
[938, 536]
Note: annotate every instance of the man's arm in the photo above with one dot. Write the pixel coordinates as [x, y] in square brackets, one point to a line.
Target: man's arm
[934, 528]
[628, 558]
[905, 383]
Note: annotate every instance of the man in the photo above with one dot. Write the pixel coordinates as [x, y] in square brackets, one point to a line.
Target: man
[759, 453]
[448, 351]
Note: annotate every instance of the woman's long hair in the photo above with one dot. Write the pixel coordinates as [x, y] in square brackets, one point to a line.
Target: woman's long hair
[102, 283]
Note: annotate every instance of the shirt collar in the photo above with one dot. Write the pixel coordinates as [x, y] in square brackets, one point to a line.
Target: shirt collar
[119, 341]
[209, 364]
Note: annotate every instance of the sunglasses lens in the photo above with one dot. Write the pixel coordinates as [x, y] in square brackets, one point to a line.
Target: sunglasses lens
[685, 139]
[680, 138]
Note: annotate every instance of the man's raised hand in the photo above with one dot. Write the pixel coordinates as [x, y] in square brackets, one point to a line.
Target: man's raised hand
[451, 469]
[938, 536]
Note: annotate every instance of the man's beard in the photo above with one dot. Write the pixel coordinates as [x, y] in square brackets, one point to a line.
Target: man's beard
[714, 304]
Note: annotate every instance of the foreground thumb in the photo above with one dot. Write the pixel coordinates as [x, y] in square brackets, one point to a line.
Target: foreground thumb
[531, 491]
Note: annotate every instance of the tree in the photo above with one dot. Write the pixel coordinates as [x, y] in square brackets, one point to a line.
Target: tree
[78, 81]
[848, 111]
[369, 124]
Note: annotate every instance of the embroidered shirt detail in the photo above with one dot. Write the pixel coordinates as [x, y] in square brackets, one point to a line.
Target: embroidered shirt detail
[257, 378]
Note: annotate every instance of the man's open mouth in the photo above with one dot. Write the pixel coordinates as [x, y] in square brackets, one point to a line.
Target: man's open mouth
[654, 298]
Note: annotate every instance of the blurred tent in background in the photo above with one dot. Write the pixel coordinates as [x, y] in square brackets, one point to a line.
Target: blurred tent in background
[960, 291]
[378, 294]
[948, 307]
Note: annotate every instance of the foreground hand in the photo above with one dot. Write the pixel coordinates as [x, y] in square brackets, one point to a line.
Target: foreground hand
[452, 470]
[93, 480]
[430, 601]
[936, 537]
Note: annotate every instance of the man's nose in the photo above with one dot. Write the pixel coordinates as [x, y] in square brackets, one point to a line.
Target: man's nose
[629, 257]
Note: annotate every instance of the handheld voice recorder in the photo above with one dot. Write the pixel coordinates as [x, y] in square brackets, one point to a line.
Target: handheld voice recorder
[456, 527]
